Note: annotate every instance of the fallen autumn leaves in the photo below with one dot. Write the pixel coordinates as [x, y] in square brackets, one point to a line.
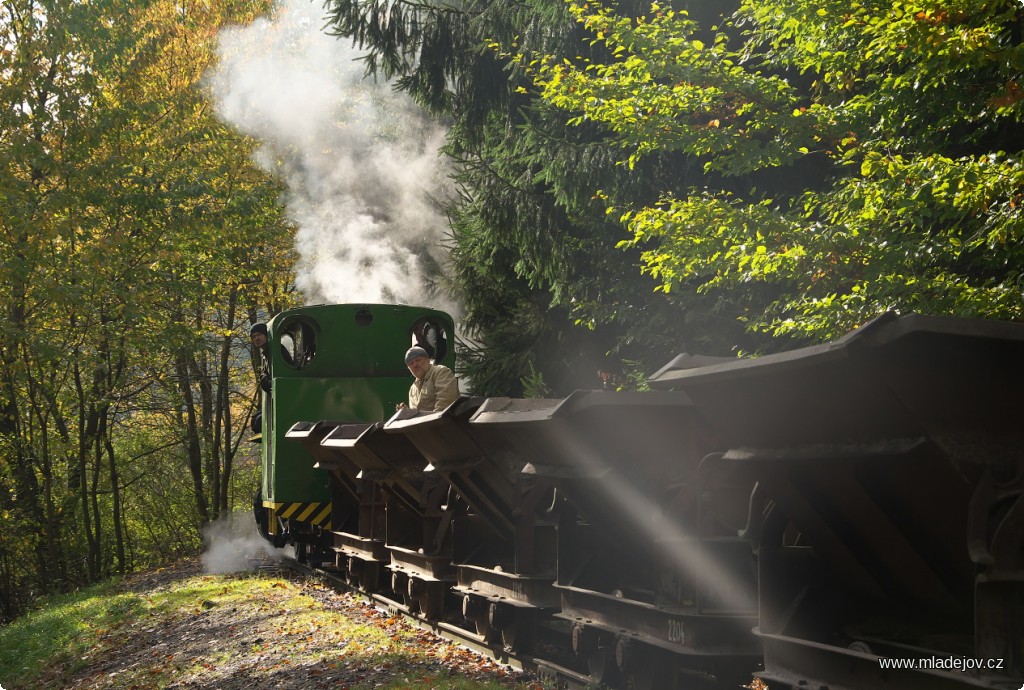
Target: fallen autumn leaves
[272, 630]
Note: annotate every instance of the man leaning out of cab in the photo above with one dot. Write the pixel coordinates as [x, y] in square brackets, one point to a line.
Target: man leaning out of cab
[435, 387]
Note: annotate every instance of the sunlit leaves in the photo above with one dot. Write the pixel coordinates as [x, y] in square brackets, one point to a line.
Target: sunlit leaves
[671, 90]
[129, 221]
[907, 117]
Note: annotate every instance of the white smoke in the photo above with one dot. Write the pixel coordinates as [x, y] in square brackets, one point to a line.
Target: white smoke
[231, 544]
[360, 160]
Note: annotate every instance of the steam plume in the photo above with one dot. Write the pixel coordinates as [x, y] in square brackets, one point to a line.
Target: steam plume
[359, 159]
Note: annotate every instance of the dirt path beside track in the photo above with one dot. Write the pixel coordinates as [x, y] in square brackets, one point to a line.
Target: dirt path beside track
[269, 629]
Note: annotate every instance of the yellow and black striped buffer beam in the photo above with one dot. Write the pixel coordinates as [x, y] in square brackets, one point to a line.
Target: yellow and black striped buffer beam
[318, 514]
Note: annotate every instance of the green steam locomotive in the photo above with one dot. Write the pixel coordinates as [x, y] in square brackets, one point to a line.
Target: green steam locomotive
[330, 362]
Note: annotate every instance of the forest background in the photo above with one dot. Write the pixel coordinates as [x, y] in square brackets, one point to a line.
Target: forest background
[625, 183]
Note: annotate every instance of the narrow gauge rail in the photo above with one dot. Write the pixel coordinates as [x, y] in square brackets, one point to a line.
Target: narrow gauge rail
[549, 671]
[803, 516]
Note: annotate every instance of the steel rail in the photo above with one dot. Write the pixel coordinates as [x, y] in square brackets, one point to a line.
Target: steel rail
[548, 671]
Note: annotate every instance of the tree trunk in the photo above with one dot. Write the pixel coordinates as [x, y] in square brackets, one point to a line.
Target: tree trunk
[115, 491]
[223, 426]
[193, 443]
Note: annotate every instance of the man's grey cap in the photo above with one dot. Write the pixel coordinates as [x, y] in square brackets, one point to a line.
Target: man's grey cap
[414, 352]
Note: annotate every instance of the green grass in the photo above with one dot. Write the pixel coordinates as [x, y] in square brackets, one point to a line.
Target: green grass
[62, 630]
[258, 626]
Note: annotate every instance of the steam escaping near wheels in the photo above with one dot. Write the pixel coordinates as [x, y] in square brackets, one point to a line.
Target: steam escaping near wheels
[231, 545]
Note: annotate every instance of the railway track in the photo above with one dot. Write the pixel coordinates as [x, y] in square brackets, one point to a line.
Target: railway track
[807, 517]
[552, 673]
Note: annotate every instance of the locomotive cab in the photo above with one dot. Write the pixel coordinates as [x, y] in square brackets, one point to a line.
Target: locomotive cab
[330, 364]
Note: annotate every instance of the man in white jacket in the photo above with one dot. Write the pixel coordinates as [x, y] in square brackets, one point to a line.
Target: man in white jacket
[435, 387]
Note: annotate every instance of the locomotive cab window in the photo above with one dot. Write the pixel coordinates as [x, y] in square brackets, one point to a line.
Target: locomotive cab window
[430, 334]
[298, 342]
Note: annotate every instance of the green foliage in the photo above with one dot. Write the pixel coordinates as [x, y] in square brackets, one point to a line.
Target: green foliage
[736, 120]
[857, 158]
[534, 258]
[137, 239]
[534, 386]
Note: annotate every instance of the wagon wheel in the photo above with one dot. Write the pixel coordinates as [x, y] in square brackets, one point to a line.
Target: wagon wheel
[432, 600]
[517, 633]
[400, 585]
[601, 665]
[369, 579]
[518, 637]
[353, 571]
[598, 648]
[413, 605]
[643, 668]
[489, 634]
[316, 555]
[416, 596]
[474, 610]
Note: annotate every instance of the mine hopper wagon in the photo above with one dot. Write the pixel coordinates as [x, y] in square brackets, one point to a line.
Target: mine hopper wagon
[813, 511]
[563, 520]
[887, 517]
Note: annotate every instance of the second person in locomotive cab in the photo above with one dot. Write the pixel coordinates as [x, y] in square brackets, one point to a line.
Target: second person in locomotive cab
[435, 387]
[259, 336]
[260, 339]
